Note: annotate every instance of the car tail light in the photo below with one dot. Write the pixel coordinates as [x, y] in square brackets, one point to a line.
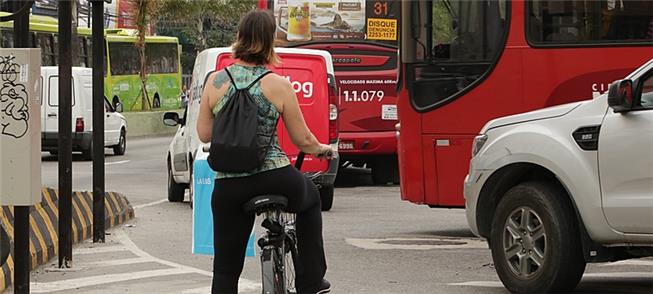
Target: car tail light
[79, 125]
[333, 111]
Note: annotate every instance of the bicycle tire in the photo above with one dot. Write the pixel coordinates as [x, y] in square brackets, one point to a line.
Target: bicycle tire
[273, 277]
[289, 261]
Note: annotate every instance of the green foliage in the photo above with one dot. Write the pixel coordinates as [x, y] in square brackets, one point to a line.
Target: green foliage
[442, 20]
[200, 24]
[143, 13]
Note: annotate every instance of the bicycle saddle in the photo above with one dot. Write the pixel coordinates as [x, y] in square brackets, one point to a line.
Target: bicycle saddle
[264, 203]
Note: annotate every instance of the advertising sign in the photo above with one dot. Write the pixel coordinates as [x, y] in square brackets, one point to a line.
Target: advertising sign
[301, 20]
[333, 20]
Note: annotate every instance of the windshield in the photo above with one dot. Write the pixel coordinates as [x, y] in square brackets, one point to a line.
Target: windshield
[302, 21]
[467, 31]
[452, 45]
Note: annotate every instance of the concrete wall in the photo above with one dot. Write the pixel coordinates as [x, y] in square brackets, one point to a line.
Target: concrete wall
[149, 123]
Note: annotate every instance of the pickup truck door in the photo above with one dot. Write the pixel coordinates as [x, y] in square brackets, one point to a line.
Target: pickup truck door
[626, 164]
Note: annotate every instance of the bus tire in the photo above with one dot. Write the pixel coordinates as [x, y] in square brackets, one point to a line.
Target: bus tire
[326, 197]
[156, 102]
[385, 170]
[535, 240]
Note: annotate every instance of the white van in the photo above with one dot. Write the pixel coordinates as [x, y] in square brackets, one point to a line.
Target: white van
[115, 125]
[312, 76]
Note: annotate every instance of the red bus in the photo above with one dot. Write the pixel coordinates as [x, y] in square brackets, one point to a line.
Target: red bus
[465, 62]
[362, 39]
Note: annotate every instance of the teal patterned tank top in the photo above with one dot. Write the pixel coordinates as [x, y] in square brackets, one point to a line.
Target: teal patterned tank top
[268, 115]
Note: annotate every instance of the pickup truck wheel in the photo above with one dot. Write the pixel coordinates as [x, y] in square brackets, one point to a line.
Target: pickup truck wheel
[122, 144]
[535, 240]
[326, 197]
[175, 191]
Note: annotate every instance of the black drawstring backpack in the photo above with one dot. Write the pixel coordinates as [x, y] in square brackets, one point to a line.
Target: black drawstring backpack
[234, 140]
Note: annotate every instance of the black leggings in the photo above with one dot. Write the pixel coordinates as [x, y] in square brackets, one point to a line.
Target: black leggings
[232, 226]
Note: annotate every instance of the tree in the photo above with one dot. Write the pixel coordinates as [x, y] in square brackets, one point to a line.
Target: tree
[143, 13]
[201, 23]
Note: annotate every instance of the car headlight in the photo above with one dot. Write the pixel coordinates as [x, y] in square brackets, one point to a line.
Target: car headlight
[479, 141]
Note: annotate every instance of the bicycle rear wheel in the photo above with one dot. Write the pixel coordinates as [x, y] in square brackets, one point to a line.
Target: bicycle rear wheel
[290, 251]
[272, 271]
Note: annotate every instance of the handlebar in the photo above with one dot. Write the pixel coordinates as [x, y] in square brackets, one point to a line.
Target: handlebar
[300, 160]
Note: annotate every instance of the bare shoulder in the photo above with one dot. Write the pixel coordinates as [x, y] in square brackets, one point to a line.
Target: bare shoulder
[276, 83]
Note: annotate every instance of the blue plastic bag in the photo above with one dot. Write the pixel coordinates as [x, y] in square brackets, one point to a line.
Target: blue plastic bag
[203, 182]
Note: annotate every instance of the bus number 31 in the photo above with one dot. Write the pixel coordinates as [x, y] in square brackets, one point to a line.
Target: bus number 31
[364, 96]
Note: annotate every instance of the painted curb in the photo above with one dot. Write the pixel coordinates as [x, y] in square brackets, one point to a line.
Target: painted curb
[44, 222]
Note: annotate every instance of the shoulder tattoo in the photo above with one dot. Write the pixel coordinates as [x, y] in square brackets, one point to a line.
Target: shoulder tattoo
[220, 79]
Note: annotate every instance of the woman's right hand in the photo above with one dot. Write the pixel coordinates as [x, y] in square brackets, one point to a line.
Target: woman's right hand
[324, 152]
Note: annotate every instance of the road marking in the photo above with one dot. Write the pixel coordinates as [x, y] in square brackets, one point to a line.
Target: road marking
[116, 162]
[70, 284]
[486, 284]
[116, 262]
[202, 290]
[418, 243]
[150, 204]
[630, 262]
[99, 249]
[127, 244]
[622, 275]
[645, 275]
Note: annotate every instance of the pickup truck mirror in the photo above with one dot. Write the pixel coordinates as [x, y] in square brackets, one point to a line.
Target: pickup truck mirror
[171, 119]
[620, 95]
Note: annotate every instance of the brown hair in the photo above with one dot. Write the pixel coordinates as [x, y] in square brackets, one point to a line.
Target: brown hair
[255, 38]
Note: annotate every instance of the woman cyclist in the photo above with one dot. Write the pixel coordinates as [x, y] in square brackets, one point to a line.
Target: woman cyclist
[275, 97]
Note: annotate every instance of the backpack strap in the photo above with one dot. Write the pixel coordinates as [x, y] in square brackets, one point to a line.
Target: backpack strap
[258, 79]
[231, 78]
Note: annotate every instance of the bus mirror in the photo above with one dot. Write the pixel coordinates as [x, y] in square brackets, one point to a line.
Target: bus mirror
[620, 95]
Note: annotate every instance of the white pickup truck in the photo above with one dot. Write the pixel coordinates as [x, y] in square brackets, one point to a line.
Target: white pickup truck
[554, 189]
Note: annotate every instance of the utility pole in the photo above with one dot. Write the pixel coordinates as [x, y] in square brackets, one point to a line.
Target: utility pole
[98, 121]
[22, 257]
[65, 133]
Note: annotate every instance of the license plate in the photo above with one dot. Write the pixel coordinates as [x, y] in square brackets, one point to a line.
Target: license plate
[346, 145]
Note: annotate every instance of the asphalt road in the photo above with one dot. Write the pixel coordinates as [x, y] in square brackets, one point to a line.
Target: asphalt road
[375, 242]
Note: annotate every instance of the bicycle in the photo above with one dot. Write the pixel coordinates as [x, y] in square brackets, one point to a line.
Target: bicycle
[279, 257]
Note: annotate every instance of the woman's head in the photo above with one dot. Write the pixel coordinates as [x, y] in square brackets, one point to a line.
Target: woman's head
[255, 38]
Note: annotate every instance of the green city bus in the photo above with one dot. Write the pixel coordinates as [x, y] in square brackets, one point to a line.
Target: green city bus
[122, 64]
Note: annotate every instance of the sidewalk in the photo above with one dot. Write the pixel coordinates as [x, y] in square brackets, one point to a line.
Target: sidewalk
[119, 266]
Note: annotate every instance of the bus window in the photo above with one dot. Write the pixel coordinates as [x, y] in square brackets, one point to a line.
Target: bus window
[462, 42]
[124, 58]
[45, 42]
[161, 58]
[589, 21]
